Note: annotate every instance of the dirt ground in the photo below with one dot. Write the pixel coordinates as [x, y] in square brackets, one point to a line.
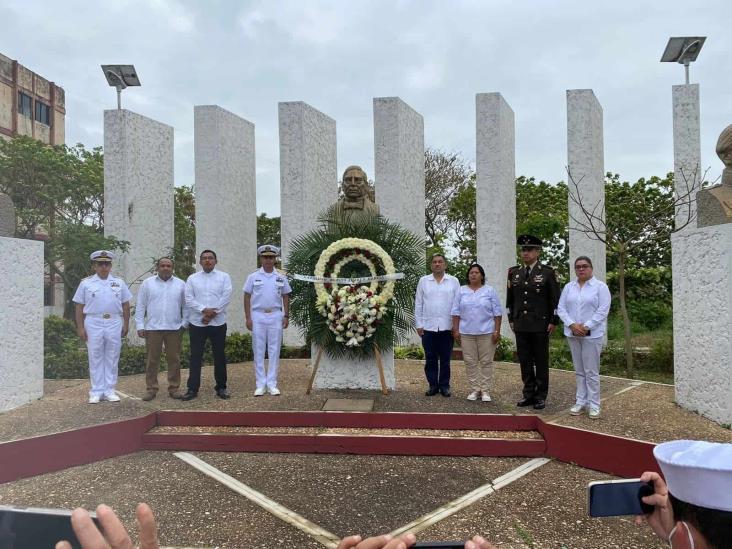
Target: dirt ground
[349, 494]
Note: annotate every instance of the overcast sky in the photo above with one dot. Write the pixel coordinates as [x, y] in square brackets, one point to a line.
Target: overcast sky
[247, 56]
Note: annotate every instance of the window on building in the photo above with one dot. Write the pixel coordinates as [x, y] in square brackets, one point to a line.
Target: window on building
[43, 113]
[24, 105]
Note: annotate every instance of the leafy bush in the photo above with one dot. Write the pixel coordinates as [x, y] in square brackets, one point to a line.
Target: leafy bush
[238, 347]
[65, 355]
[414, 352]
[505, 350]
[295, 352]
[651, 315]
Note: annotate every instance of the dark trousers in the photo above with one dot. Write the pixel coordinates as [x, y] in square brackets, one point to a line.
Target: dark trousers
[198, 336]
[437, 350]
[533, 354]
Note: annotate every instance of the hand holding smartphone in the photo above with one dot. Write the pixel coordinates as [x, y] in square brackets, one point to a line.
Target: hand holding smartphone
[36, 527]
[614, 498]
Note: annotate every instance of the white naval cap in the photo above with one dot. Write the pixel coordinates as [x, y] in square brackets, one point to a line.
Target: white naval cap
[268, 249]
[101, 255]
[698, 472]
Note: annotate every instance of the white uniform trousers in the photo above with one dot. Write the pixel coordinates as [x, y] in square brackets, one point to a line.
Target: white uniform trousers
[586, 359]
[104, 342]
[266, 334]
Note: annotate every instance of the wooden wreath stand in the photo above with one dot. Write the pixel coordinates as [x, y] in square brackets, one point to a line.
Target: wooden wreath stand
[379, 367]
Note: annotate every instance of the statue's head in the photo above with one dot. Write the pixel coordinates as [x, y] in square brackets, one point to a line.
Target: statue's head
[724, 146]
[355, 183]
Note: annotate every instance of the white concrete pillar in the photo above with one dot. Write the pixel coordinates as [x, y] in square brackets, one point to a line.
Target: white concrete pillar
[399, 167]
[138, 193]
[702, 301]
[21, 318]
[308, 175]
[495, 187]
[585, 158]
[687, 145]
[399, 163]
[226, 200]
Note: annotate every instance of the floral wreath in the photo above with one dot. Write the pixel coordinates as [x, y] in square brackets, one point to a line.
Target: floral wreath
[353, 312]
[345, 298]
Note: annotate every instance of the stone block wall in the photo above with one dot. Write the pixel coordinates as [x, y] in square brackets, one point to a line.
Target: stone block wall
[21, 321]
[702, 302]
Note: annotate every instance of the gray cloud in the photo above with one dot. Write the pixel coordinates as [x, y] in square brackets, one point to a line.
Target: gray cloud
[337, 56]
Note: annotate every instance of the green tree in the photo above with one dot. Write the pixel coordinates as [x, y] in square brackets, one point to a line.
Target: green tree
[446, 176]
[59, 197]
[636, 226]
[184, 219]
[541, 210]
[268, 230]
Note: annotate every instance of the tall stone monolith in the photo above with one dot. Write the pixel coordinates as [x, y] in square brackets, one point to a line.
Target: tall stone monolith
[138, 193]
[226, 201]
[586, 162]
[495, 187]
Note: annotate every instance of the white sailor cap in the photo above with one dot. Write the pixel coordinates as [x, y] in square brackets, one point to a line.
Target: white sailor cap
[101, 255]
[698, 472]
[268, 250]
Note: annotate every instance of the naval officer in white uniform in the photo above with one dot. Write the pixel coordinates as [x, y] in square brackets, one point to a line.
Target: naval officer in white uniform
[102, 320]
[266, 307]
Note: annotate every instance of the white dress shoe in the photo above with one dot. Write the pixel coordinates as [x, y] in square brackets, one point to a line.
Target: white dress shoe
[94, 399]
[259, 392]
[486, 397]
[594, 413]
[473, 395]
[274, 391]
[112, 397]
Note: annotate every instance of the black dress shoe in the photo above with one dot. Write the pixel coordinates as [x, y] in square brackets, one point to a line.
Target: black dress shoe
[445, 392]
[190, 395]
[432, 391]
[223, 394]
[525, 402]
[539, 404]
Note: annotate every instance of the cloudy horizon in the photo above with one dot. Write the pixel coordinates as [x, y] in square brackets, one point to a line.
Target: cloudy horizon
[337, 56]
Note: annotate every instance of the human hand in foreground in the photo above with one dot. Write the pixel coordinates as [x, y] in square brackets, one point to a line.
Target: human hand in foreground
[115, 536]
[402, 542]
[661, 520]
[378, 542]
[477, 542]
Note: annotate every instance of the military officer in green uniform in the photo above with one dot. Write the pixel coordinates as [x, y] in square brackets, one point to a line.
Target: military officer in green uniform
[531, 302]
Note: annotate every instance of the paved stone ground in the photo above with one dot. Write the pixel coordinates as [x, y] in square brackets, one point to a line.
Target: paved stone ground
[346, 494]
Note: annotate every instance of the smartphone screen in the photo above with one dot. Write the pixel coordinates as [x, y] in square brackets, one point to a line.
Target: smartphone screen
[22, 527]
[615, 497]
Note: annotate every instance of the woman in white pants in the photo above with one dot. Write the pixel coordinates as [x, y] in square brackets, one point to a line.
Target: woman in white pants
[476, 322]
[583, 307]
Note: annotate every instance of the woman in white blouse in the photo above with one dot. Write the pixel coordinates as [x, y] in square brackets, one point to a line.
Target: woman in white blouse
[583, 307]
[476, 321]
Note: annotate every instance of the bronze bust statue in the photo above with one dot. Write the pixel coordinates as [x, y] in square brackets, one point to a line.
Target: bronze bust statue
[358, 199]
[714, 205]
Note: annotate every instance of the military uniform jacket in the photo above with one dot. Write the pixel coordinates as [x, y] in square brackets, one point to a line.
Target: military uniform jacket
[532, 298]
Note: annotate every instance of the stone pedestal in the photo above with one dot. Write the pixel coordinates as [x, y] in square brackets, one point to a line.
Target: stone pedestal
[138, 193]
[495, 187]
[702, 301]
[226, 202]
[308, 175]
[399, 167]
[585, 158]
[21, 318]
[687, 145]
[352, 374]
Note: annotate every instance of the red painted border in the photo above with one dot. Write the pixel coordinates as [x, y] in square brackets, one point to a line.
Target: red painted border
[345, 444]
[623, 457]
[606, 453]
[373, 420]
[44, 454]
